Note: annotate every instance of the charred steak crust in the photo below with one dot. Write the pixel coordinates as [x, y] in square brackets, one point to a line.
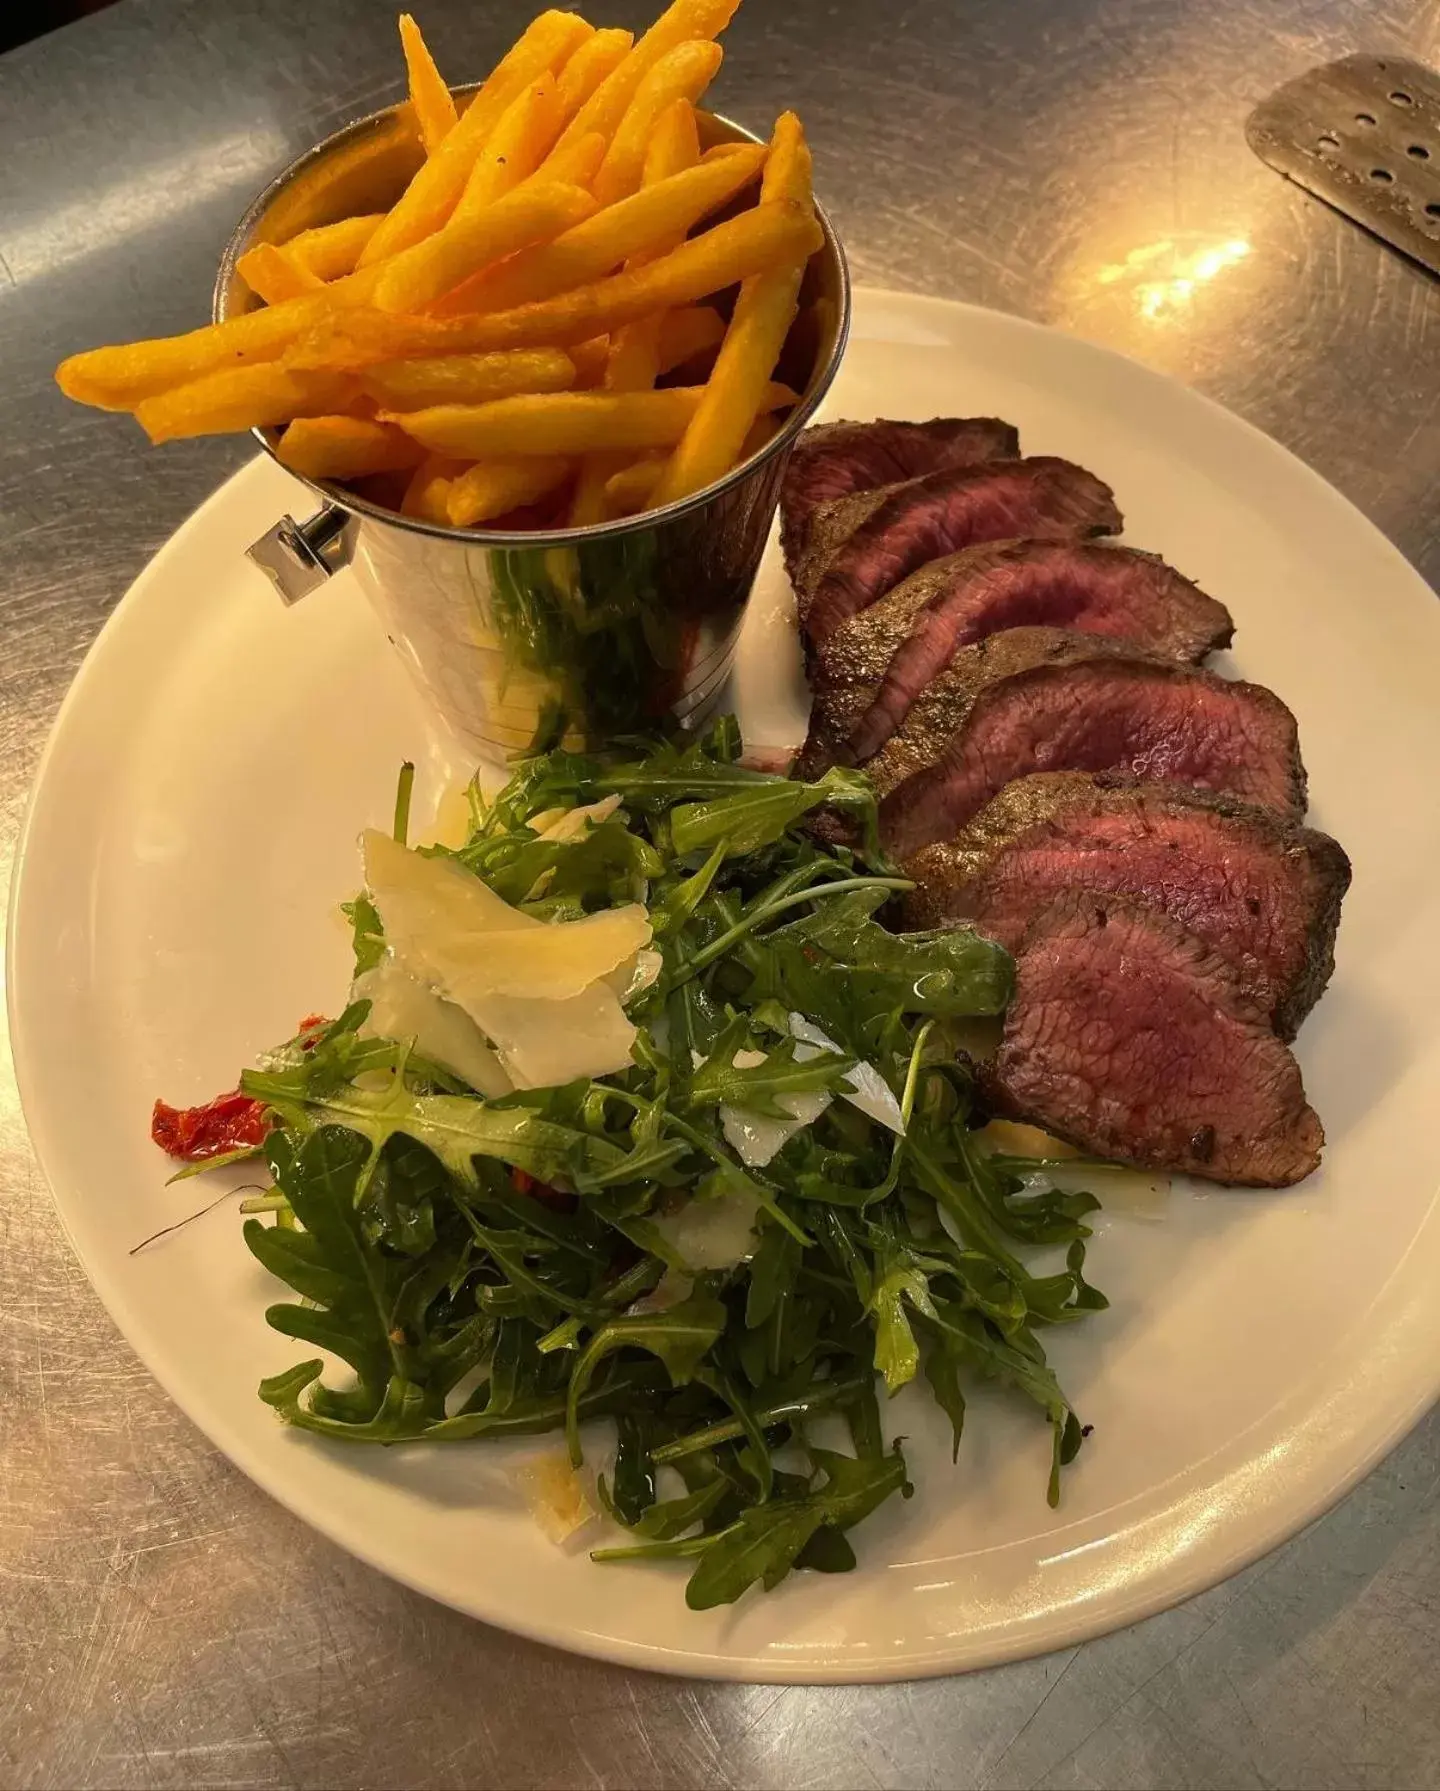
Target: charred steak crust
[1104, 711]
[834, 460]
[861, 547]
[1134, 1040]
[942, 707]
[869, 673]
[1118, 592]
[1260, 889]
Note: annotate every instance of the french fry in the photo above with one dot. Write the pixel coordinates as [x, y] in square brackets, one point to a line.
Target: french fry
[688, 332]
[122, 376]
[591, 359]
[434, 192]
[427, 495]
[575, 166]
[561, 423]
[678, 24]
[274, 276]
[345, 448]
[763, 315]
[596, 59]
[468, 378]
[433, 267]
[674, 143]
[496, 487]
[681, 74]
[656, 217]
[331, 251]
[629, 491]
[429, 94]
[770, 235]
[242, 398]
[521, 141]
[633, 363]
[674, 149]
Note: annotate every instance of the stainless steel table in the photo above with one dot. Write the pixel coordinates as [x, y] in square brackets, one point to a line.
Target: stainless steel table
[1078, 161]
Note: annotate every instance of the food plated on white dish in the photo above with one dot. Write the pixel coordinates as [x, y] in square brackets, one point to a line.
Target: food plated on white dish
[719, 1106]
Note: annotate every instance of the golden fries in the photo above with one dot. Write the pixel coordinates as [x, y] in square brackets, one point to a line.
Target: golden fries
[686, 333]
[521, 140]
[678, 24]
[490, 490]
[431, 268]
[763, 315]
[332, 251]
[346, 448]
[434, 192]
[659, 215]
[274, 276]
[769, 236]
[631, 490]
[467, 378]
[595, 61]
[428, 493]
[561, 423]
[120, 377]
[434, 106]
[633, 363]
[497, 341]
[681, 74]
[242, 398]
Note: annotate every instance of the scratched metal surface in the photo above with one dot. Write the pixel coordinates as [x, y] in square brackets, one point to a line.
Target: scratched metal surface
[1077, 161]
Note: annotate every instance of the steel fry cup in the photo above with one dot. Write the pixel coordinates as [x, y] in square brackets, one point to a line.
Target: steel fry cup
[522, 641]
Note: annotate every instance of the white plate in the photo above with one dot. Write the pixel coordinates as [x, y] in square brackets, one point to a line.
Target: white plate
[194, 826]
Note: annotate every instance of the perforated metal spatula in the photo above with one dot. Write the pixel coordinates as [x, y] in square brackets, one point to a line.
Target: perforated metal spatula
[1363, 134]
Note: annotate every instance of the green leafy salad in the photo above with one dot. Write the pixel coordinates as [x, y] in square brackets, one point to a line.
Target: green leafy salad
[642, 1128]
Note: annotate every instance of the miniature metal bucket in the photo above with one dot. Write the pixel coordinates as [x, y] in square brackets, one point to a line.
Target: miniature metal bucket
[523, 641]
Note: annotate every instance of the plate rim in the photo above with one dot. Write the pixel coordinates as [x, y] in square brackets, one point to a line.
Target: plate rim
[1065, 1627]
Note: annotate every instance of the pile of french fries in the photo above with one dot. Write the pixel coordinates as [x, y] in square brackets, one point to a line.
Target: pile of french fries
[491, 350]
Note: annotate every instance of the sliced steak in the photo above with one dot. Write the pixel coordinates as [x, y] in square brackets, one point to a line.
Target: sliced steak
[835, 460]
[1260, 889]
[1133, 1039]
[867, 674]
[861, 547]
[1083, 704]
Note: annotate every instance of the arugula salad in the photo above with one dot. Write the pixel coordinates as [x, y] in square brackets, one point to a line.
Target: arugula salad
[640, 1114]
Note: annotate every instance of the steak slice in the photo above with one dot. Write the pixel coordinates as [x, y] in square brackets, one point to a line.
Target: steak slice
[834, 460]
[1091, 706]
[1133, 1039]
[1261, 890]
[871, 669]
[861, 547]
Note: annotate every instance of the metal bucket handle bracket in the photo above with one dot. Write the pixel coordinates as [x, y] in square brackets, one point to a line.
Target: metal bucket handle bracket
[298, 557]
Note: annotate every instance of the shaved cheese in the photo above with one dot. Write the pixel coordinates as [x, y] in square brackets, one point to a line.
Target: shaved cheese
[570, 824]
[558, 1498]
[450, 928]
[545, 1043]
[634, 978]
[755, 1137]
[536, 991]
[402, 1008]
[865, 1087]
[711, 1231]
[1009, 1138]
[453, 820]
